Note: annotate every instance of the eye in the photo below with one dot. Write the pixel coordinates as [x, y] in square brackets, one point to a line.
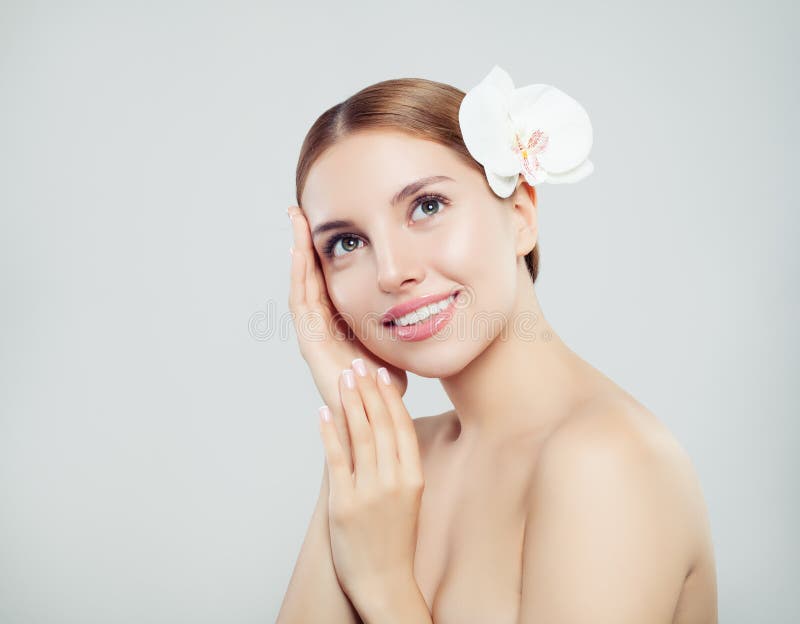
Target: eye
[428, 205]
[330, 247]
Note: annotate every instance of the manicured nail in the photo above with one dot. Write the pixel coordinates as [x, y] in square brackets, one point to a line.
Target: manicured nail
[358, 365]
[383, 374]
[325, 413]
[349, 379]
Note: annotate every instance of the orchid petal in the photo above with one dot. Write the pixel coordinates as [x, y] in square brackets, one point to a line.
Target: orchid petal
[573, 175]
[502, 186]
[560, 117]
[486, 127]
[535, 176]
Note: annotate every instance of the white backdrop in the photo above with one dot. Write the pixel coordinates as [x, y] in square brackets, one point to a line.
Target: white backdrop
[159, 451]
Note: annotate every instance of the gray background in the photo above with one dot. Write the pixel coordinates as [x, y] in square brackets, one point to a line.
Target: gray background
[159, 451]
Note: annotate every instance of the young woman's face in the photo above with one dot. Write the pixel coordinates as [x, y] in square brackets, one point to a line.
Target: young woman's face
[449, 234]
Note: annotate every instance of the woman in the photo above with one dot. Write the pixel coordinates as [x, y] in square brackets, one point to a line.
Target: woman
[548, 494]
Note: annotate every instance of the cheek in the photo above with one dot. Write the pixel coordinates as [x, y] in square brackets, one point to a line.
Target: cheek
[476, 247]
[342, 294]
[349, 297]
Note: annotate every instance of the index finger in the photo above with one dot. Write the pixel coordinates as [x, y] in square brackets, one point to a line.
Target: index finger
[304, 245]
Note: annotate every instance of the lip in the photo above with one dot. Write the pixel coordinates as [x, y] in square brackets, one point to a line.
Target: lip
[424, 329]
[395, 312]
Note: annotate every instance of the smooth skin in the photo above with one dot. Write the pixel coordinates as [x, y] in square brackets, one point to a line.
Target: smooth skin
[612, 523]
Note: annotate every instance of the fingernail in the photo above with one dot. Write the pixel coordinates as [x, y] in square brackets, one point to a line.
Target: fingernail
[349, 379]
[325, 413]
[384, 376]
[358, 365]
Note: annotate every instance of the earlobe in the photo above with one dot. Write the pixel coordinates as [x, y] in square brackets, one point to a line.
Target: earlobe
[526, 240]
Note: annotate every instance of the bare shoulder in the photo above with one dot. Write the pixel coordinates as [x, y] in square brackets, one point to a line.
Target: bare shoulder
[608, 425]
[612, 490]
[614, 439]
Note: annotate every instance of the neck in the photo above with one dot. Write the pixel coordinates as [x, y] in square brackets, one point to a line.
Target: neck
[520, 383]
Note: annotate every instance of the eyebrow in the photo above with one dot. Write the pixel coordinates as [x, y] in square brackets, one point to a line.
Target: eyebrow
[402, 194]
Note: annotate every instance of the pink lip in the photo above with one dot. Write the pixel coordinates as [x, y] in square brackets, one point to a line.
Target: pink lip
[404, 308]
[424, 329]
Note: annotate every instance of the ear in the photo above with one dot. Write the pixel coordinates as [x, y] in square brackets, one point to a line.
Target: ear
[526, 220]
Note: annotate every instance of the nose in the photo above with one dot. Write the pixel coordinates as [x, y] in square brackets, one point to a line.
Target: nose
[398, 263]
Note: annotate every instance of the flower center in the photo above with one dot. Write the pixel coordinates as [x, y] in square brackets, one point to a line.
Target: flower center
[536, 145]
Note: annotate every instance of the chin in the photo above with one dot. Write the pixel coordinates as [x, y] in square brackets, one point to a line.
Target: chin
[438, 370]
[445, 361]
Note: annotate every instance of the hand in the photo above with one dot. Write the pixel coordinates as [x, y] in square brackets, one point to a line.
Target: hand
[326, 352]
[373, 511]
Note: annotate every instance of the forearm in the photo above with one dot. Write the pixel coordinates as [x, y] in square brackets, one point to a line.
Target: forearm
[402, 604]
[314, 593]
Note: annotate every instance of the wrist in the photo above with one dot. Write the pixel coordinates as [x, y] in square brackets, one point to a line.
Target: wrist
[394, 600]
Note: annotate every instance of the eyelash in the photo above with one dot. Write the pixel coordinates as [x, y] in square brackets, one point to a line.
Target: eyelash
[328, 248]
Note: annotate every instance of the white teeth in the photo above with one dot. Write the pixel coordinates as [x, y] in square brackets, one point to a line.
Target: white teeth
[420, 314]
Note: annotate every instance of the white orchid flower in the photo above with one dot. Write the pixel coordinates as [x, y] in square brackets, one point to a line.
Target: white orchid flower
[538, 131]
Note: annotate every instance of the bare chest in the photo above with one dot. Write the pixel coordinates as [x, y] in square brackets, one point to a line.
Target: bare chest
[471, 525]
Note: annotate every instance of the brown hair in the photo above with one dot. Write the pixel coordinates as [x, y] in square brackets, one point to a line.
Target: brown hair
[417, 106]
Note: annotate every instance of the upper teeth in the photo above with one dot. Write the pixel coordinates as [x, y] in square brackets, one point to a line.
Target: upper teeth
[420, 314]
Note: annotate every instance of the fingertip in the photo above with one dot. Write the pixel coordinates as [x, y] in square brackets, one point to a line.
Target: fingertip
[325, 413]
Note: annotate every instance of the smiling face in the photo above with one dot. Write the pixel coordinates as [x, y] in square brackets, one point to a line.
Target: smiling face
[450, 233]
